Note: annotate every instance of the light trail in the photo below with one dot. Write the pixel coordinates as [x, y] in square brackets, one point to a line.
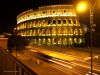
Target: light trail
[64, 61]
[85, 66]
[59, 63]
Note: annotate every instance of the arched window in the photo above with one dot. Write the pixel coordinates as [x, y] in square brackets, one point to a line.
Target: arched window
[54, 21]
[80, 31]
[43, 31]
[75, 31]
[80, 40]
[39, 23]
[44, 23]
[31, 33]
[75, 41]
[74, 21]
[70, 21]
[63, 30]
[66, 31]
[64, 41]
[35, 41]
[27, 33]
[59, 21]
[34, 32]
[59, 41]
[44, 41]
[54, 41]
[64, 21]
[34, 23]
[49, 22]
[53, 31]
[48, 41]
[30, 24]
[39, 41]
[59, 31]
[71, 31]
[70, 41]
[23, 26]
[39, 32]
[48, 31]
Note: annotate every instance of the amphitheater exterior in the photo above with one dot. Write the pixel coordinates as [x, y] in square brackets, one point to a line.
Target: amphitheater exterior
[51, 25]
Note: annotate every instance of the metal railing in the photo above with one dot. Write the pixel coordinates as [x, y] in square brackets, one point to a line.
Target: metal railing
[9, 65]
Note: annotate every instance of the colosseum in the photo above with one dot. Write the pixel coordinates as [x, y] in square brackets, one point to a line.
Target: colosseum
[51, 25]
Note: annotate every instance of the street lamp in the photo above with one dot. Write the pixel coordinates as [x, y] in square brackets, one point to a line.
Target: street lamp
[82, 6]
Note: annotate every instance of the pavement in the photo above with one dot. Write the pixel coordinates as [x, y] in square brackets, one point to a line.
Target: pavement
[42, 68]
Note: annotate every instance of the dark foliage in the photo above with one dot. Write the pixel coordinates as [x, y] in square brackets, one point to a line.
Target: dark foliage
[16, 41]
[96, 39]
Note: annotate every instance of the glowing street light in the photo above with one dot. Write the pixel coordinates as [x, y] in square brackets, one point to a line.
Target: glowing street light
[81, 7]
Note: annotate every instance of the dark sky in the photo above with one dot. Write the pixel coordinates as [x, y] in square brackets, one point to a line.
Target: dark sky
[9, 9]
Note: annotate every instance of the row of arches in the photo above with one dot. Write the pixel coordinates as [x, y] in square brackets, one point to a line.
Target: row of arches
[52, 31]
[56, 41]
[44, 23]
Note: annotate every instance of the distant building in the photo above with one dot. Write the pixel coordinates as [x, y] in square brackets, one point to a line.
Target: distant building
[51, 25]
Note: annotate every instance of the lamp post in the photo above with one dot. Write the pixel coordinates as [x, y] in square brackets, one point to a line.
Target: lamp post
[15, 30]
[82, 6]
[91, 7]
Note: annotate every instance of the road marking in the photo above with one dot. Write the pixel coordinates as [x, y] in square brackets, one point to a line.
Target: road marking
[89, 58]
[60, 63]
[64, 61]
[86, 67]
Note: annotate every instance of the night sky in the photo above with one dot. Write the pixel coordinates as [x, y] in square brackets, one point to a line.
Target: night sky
[9, 9]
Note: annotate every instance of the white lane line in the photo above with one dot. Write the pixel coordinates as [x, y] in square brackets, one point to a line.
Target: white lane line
[86, 67]
[60, 63]
[66, 70]
[64, 62]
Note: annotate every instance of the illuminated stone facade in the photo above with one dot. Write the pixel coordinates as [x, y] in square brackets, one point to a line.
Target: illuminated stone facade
[51, 25]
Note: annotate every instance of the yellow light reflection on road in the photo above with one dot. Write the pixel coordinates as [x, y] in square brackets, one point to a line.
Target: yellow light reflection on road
[58, 55]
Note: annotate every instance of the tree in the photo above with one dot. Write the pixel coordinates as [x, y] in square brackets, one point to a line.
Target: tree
[17, 41]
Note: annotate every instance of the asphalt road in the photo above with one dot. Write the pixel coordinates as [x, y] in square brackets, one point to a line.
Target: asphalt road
[69, 67]
[45, 62]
